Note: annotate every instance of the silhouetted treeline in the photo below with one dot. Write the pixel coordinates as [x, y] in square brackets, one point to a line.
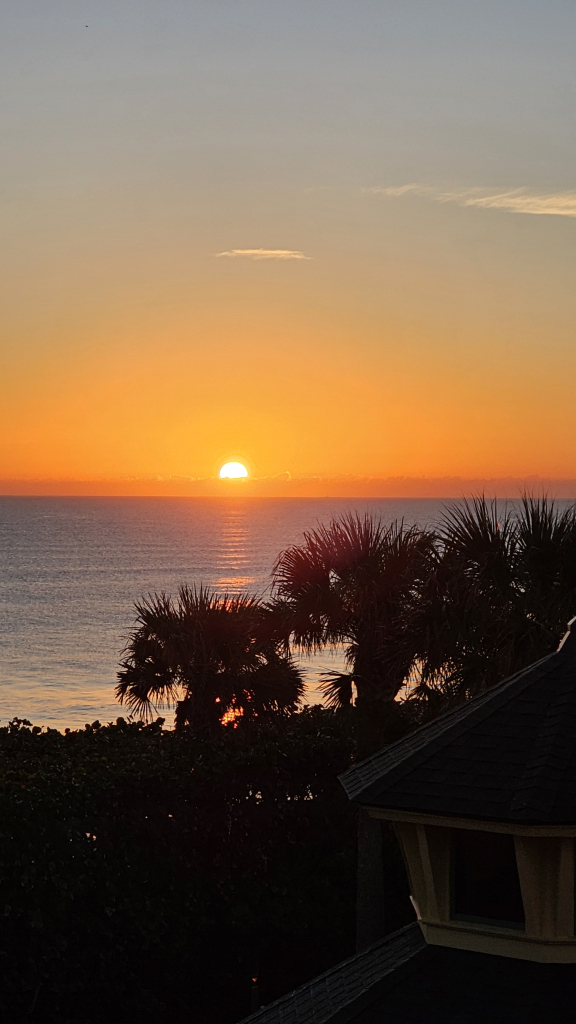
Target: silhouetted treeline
[147, 875]
[433, 615]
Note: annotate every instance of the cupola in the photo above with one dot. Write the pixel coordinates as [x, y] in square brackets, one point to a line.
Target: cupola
[483, 801]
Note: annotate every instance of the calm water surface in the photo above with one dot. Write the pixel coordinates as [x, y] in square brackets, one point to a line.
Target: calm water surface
[71, 569]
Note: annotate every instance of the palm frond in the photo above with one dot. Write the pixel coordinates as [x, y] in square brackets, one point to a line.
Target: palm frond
[207, 652]
[337, 689]
[352, 581]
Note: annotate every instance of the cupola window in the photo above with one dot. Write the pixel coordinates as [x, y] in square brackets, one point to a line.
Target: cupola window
[485, 883]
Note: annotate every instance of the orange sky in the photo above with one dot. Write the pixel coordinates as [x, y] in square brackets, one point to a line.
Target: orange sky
[430, 330]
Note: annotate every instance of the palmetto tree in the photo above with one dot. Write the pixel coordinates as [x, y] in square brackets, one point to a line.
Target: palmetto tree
[212, 655]
[503, 589]
[354, 582]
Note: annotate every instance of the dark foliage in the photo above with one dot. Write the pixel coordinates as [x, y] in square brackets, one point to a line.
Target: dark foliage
[213, 655]
[147, 875]
[443, 615]
[499, 598]
[356, 581]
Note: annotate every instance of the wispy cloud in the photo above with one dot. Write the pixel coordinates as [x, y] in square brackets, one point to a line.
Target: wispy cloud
[266, 254]
[401, 190]
[515, 200]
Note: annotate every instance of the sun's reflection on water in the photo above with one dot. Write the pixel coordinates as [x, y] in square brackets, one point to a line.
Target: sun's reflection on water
[234, 551]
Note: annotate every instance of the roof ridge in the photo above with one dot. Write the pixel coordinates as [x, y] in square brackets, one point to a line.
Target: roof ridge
[359, 777]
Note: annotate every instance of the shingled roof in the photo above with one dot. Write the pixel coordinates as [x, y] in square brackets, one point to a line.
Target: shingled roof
[341, 993]
[507, 756]
[401, 980]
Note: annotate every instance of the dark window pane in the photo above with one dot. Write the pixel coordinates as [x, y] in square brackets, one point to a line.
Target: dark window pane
[485, 883]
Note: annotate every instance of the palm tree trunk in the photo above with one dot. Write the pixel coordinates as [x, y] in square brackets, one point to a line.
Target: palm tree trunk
[370, 922]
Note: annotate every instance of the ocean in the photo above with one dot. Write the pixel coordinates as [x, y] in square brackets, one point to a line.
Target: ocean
[71, 569]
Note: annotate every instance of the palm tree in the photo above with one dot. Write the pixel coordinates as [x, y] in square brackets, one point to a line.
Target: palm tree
[502, 591]
[212, 655]
[353, 582]
[546, 567]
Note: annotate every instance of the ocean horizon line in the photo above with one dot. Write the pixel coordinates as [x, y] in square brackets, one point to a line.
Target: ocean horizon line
[285, 486]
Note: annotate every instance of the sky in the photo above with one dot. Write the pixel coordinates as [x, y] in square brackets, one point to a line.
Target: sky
[332, 238]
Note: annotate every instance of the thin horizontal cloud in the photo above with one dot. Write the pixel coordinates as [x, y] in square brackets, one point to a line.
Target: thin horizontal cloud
[401, 190]
[516, 200]
[266, 254]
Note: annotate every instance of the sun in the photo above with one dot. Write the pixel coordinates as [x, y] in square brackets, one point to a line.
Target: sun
[233, 471]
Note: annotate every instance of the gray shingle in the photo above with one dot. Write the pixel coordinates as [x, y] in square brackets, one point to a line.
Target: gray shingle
[344, 990]
[509, 755]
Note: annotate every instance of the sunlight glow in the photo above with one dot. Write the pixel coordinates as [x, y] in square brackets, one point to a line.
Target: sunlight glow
[233, 471]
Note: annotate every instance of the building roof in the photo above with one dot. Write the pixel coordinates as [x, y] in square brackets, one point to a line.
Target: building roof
[346, 989]
[401, 980]
[458, 986]
[507, 756]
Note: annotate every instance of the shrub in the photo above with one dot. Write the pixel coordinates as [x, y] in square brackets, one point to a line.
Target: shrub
[146, 873]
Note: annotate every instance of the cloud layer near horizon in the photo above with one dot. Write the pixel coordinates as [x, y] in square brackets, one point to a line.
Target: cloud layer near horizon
[281, 485]
[516, 200]
[266, 254]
